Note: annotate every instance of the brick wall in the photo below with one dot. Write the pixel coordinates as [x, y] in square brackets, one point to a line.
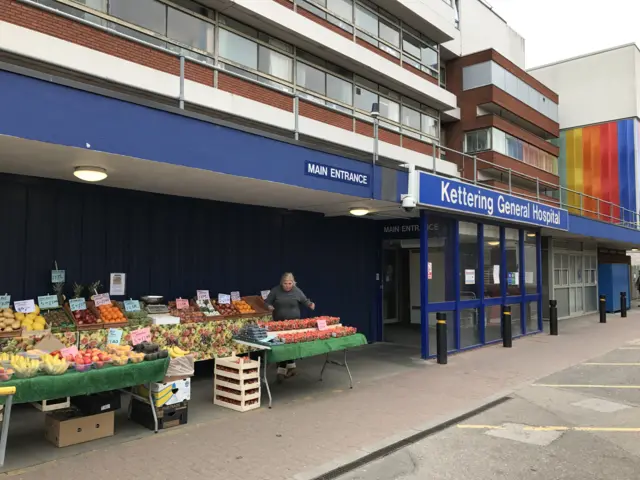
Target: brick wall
[420, 73]
[321, 21]
[376, 50]
[325, 115]
[198, 73]
[255, 92]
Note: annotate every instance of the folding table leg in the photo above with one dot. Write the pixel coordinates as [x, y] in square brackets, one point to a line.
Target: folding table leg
[6, 416]
[264, 371]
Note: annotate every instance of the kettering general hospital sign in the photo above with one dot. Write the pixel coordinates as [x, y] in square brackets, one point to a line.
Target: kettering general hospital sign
[451, 194]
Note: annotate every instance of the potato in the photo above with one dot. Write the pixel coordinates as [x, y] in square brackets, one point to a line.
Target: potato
[15, 325]
[8, 329]
[7, 315]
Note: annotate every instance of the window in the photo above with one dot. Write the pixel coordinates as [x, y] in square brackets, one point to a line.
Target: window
[238, 49]
[411, 45]
[366, 20]
[410, 118]
[477, 141]
[274, 63]
[430, 57]
[532, 317]
[492, 260]
[530, 263]
[389, 33]
[311, 78]
[389, 109]
[560, 270]
[342, 8]
[468, 274]
[189, 30]
[148, 14]
[339, 89]
[512, 247]
[365, 99]
[430, 126]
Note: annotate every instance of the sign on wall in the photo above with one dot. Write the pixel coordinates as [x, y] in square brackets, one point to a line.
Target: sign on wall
[337, 174]
[454, 195]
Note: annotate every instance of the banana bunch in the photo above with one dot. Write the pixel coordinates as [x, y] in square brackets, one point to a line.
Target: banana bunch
[54, 365]
[6, 357]
[176, 352]
[25, 367]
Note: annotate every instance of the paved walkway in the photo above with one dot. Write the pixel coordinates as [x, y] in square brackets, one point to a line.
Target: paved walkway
[307, 437]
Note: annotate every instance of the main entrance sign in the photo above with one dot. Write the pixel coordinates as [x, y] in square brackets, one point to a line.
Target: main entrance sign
[335, 173]
[449, 194]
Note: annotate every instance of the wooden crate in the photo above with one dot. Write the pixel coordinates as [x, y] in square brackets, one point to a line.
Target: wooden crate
[54, 404]
[240, 383]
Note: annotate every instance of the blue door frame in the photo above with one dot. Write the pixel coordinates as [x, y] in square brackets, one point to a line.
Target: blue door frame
[457, 305]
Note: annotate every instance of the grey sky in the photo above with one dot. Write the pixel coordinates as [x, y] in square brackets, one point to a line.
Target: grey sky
[558, 29]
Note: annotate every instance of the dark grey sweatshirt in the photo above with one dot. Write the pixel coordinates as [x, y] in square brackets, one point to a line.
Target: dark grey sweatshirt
[286, 304]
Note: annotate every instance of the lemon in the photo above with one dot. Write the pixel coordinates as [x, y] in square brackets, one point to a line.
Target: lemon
[40, 318]
[28, 327]
[37, 310]
[19, 316]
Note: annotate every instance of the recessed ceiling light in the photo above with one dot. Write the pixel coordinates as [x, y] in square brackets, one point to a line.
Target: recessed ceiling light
[531, 234]
[359, 212]
[493, 244]
[90, 174]
[634, 249]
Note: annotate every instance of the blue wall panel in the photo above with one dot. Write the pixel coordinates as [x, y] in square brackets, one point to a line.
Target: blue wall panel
[626, 167]
[173, 246]
[39, 110]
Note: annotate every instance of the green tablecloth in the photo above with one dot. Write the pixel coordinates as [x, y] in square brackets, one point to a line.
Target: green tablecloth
[72, 383]
[294, 351]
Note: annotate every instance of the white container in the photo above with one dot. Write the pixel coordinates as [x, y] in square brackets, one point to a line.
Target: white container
[246, 392]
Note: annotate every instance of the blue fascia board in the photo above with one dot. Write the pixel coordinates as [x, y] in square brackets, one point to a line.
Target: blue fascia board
[45, 111]
[603, 231]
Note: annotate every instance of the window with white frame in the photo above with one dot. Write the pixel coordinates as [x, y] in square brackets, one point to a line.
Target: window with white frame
[561, 270]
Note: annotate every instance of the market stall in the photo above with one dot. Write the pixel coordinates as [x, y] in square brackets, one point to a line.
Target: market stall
[296, 339]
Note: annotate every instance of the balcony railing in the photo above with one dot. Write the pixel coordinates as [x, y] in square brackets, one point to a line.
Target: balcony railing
[539, 190]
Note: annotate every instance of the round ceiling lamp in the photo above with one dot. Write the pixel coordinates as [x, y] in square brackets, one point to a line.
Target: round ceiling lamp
[90, 174]
[359, 212]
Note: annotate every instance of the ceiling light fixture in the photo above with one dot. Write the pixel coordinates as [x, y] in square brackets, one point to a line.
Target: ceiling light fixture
[634, 249]
[493, 244]
[359, 212]
[90, 174]
[531, 234]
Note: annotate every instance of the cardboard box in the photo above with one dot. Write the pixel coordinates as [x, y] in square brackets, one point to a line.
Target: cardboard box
[168, 416]
[169, 393]
[98, 402]
[69, 427]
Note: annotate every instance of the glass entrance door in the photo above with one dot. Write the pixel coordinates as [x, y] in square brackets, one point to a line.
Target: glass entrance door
[390, 267]
[576, 303]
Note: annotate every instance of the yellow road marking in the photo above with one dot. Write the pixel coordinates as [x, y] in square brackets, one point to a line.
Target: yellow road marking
[552, 428]
[614, 364]
[636, 387]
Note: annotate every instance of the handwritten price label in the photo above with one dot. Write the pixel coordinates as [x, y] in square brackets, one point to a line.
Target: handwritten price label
[322, 325]
[48, 301]
[224, 299]
[25, 306]
[102, 299]
[5, 301]
[203, 295]
[141, 335]
[235, 296]
[265, 294]
[76, 304]
[114, 336]
[131, 306]
[58, 276]
[182, 303]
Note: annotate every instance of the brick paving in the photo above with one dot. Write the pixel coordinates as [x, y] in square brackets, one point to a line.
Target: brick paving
[301, 438]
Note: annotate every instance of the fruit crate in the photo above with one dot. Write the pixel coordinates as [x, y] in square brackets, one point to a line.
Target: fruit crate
[237, 385]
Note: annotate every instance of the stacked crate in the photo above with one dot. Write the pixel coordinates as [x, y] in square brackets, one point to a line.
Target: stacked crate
[236, 383]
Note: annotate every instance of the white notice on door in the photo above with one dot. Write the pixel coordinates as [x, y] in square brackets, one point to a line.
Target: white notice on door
[528, 278]
[496, 274]
[469, 277]
[429, 271]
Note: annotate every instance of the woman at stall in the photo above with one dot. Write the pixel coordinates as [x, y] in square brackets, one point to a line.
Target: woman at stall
[284, 303]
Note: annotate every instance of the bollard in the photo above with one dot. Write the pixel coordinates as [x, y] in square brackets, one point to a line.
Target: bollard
[506, 326]
[603, 309]
[553, 317]
[623, 304]
[441, 337]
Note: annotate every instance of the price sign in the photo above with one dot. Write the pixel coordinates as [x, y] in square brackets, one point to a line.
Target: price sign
[102, 299]
[131, 305]
[265, 294]
[235, 296]
[76, 304]
[141, 335]
[73, 351]
[25, 306]
[203, 295]
[58, 276]
[114, 336]
[182, 303]
[322, 325]
[224, 299]
[5, 301]
[48, 301]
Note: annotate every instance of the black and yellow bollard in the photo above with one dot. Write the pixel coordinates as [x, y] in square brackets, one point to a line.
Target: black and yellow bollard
[506, 326]
[623, 304]
[553, 317]
[441, 337]
[603, 308]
